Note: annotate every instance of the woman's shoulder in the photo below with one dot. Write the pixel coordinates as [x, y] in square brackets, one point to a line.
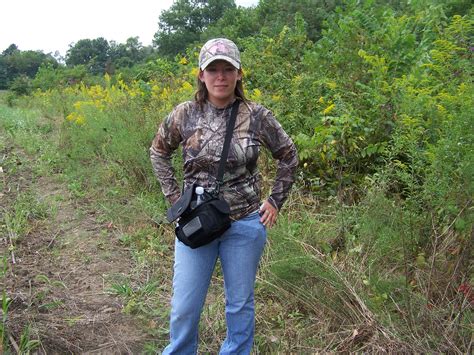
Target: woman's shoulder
[185, 106]
[183, 110]
[255, 109]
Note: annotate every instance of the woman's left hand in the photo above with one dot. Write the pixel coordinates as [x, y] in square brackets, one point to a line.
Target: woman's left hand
[268, 214]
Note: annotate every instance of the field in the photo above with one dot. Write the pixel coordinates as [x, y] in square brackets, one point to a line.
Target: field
[372, 251]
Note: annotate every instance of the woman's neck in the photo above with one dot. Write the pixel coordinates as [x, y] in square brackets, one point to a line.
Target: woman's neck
[221, 103]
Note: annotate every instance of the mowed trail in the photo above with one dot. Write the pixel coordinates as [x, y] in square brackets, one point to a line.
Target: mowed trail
[64, 266]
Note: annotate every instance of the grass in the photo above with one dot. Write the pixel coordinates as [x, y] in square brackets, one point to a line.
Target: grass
[373, 276]
[16, 222]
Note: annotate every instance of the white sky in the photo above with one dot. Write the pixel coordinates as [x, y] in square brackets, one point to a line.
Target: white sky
[51, 25]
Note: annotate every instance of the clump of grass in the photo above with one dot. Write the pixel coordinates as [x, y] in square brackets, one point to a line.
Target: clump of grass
[376, 276]
[17, 221]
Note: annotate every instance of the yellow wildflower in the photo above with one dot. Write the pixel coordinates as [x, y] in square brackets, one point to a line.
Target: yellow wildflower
[71, 116]
[194, 72]
[122, 85]
[328, 109]
[183, 61]
[165, 94]
[80, 120]
[107, 79]
[441, 108]
[257, 94]
[187, 86]
[76, 118]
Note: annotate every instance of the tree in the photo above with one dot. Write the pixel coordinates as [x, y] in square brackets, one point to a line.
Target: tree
[94, 54]
[184, 22]
[127, 54]
[15, 63]
[274, 14]
[240, 22]
[12, 48]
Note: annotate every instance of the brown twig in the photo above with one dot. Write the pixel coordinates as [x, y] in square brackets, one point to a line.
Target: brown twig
[15, 345]
[12, 247]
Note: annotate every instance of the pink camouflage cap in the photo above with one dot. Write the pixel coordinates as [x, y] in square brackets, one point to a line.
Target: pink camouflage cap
[219, 48]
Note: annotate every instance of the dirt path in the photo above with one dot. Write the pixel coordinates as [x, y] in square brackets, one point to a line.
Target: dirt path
[64, 266]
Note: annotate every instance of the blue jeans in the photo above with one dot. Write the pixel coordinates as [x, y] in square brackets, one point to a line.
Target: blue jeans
[239, 250]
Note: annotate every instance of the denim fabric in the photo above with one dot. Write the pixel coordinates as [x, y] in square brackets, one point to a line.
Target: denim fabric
[239, 250]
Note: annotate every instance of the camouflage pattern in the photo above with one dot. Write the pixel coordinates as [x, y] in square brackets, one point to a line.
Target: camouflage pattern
[219, 48]
[201, 132]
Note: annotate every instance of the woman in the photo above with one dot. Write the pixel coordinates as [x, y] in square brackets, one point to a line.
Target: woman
[199, 126]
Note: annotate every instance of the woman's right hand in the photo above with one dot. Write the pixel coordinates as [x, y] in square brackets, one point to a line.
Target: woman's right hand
[268, 214]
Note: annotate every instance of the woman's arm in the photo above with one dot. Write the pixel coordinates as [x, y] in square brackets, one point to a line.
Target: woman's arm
[284, 151]
[166, 141]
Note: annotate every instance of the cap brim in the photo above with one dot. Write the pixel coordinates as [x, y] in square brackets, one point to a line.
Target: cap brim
[235, 63]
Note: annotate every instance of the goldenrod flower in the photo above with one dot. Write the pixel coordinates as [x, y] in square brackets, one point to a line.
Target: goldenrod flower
[194, 72]
[257, 94]
[80, 120]
[187, 86]
[328, 109]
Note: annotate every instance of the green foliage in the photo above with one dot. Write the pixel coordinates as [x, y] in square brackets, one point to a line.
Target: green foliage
[47, 78]
[378, 99]
[235, 23]
[159, 68]
[92, 53]
[127, 54]
[6, 301]
[15, 63]
[26, 344]
[182, 24]
[21, 85]
[275, 14]
[99, 56]
[17, 218]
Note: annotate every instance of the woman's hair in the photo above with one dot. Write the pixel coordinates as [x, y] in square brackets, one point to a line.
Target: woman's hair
[202, 94]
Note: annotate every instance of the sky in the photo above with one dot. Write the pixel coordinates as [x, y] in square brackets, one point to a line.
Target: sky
[51, 25]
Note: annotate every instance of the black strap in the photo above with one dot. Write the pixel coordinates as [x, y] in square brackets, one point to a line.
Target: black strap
[228, 138]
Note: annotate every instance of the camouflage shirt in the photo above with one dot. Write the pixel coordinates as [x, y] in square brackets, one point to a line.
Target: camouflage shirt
[201, 132]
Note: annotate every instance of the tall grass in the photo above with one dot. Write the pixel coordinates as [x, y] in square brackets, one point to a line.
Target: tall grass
[373, 249]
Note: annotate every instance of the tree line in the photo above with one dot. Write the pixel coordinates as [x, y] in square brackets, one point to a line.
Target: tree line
[185, 23]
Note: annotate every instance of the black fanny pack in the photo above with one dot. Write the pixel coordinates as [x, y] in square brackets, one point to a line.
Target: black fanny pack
[201, 223]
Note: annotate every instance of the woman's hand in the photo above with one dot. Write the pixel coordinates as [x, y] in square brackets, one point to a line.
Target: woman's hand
[268, 214]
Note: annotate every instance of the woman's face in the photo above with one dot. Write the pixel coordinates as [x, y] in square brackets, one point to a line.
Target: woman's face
[220, 78]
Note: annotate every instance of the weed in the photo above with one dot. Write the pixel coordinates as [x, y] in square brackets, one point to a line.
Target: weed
[6, 301]
[26, 344]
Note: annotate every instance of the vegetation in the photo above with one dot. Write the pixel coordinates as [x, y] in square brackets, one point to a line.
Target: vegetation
[16, 65]
[183, 23]
[373, 249]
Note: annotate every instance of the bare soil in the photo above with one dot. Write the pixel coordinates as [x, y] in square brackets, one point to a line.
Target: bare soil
[62, 270]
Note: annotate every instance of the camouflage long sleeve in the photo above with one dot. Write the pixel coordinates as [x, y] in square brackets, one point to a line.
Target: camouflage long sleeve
[201, 132]
[284, 150]
[166, 141]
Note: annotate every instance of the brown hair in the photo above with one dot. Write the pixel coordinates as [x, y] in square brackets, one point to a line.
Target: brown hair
[202, 94]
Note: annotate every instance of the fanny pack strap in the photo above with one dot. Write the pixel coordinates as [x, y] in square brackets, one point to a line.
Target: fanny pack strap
[228, 138]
